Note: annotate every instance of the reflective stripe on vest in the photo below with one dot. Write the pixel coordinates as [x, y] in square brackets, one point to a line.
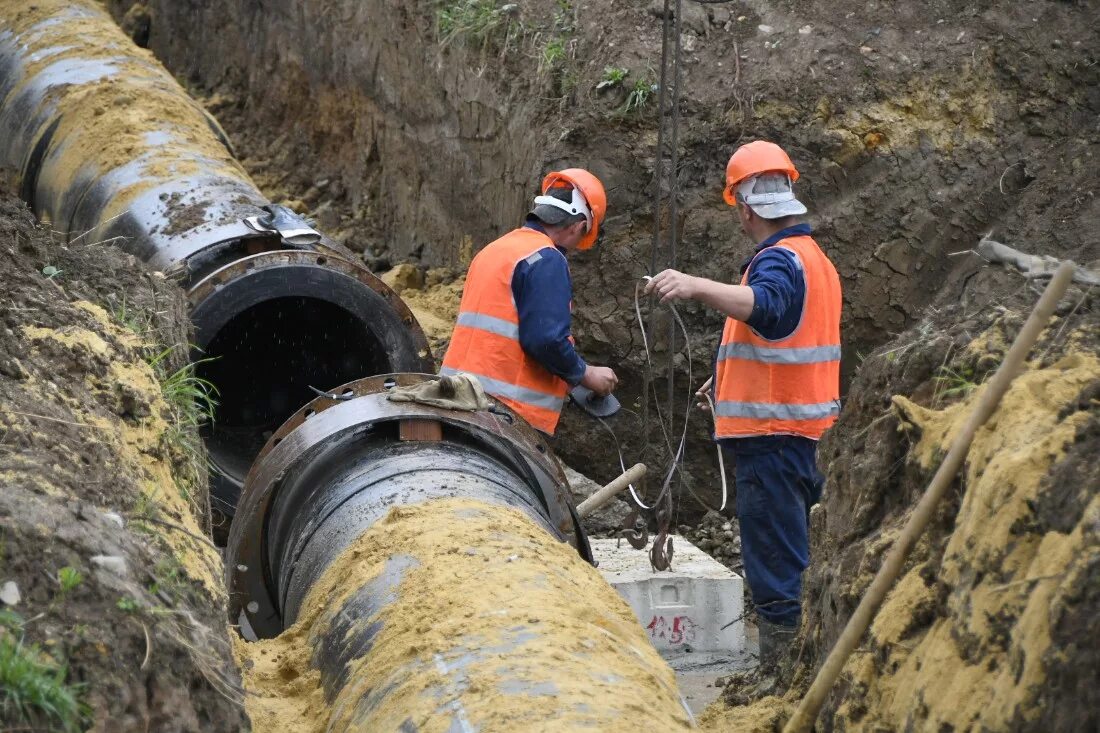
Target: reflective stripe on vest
[772, 355]
[777, 411]
[498, 388]
[788, 386]
[499, 326]
[485, 341]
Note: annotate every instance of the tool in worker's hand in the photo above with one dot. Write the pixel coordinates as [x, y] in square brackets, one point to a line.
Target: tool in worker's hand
[594, 404]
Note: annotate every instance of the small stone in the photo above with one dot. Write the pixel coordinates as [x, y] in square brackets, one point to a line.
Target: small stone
[112, 563]
[9, 593]
[767, 30]
[805, 30]
[114, 518]
[727, 527]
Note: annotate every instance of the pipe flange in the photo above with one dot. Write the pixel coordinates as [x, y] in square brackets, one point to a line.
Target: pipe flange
[323, 256]
[358, 407]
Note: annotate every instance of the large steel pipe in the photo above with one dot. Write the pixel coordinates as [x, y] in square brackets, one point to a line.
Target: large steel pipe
[107, 147]
[414, 556]
[339, 464]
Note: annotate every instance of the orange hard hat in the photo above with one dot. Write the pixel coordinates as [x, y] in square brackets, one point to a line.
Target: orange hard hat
[752, 159]
[594, 195]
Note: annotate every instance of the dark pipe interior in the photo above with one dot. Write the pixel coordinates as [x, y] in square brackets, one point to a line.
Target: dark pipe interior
[263, 362]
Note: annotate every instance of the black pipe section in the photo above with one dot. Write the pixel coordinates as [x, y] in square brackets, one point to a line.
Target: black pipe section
[380, 541]
[340, 464]
[107, 147]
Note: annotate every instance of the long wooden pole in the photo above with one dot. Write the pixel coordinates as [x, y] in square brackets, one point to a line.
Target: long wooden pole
[808, 709]
[607, 493]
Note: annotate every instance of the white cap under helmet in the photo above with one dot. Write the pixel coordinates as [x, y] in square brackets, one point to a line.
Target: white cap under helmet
[770, 196]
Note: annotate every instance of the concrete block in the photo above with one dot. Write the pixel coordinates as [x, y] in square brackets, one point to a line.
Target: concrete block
[685, 608]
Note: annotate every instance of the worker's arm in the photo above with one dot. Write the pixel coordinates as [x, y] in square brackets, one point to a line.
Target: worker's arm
[543, 290]
[735, 301]
[775, 281]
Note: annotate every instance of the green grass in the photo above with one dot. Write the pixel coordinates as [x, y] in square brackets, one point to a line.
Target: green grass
[170, 577]
[192, 402]
[950, 383]
[613, 76]
[134, 320]
[480, 24]
[126, 604]
[68, 578]
[552, 53]
[638, 99]
[33, 691]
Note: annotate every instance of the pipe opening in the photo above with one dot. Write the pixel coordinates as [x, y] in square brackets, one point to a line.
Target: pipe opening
[264, 361]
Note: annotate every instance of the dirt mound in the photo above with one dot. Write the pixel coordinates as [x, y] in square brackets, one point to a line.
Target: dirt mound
[118, 597]
[990, 625]
[433, 297]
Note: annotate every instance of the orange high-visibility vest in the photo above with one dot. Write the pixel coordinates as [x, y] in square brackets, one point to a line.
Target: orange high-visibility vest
[790, 386]
[485, 342]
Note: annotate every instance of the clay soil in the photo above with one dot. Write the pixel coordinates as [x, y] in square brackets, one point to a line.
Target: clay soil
[993, 624]
[94, 478]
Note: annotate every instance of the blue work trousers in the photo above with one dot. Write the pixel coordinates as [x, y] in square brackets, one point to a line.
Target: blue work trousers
[777, 483]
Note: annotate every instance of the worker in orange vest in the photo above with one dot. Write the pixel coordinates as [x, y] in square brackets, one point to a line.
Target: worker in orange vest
[776, 383]
[514, 322]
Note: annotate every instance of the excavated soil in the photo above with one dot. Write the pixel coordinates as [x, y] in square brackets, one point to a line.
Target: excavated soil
[540, 661]
[96, 477]
[917, 129]
[992, 625]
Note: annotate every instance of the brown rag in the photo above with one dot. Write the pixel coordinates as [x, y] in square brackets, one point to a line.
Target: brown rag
[458, 392]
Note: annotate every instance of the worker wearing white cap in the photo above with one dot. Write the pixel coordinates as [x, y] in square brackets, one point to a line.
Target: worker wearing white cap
[777, 379]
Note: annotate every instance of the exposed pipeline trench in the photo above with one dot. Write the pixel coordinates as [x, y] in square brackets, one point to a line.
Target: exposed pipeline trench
[413, 563]
[108, 148]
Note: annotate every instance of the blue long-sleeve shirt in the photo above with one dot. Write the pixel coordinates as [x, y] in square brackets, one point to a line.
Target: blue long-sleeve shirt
[778, 285]
[779, 290]
[543, 291]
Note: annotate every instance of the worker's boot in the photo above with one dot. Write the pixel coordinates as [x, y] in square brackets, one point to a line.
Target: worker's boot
[774, 640]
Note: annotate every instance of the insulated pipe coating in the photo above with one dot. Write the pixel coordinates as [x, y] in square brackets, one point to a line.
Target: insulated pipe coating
[107, 147]
[411, 555]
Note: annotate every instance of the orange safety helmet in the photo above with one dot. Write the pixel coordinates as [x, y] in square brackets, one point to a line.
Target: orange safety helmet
[752, 159]
[594, 195]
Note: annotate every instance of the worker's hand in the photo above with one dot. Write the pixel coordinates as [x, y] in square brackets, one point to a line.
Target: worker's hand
[701, 394]
[601, 380]
[672, 285]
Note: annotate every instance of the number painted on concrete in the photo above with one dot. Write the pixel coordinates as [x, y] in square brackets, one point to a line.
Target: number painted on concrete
[681, 630]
